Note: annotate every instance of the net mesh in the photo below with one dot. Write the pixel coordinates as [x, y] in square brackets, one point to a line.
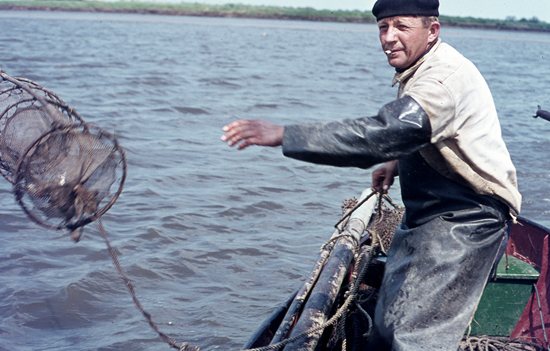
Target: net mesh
[27, 111]
[65, 178]
[65, 172]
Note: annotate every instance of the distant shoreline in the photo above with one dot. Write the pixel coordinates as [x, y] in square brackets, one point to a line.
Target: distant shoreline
[256, 12]
[207, 13]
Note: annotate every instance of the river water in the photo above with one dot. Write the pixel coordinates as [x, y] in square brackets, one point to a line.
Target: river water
[213, 238]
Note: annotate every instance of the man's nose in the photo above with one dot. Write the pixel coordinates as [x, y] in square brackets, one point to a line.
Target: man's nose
[391, 34]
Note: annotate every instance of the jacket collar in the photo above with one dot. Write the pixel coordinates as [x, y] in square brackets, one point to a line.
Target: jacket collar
[407, 73]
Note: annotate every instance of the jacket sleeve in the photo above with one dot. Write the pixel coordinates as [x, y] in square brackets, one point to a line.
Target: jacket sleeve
[400, 128]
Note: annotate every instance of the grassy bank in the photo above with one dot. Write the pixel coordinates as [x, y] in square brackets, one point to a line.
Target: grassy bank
[193, 9]
[268, 12]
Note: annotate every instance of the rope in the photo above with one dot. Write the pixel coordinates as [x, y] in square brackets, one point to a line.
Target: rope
[377, 248]
[376, 241]
[326, 246]
[313, 330]
[485, 343]
[347, 215]
[353, 293]
[339, 313]
[388, 199]
[164, 337]
[367, 315]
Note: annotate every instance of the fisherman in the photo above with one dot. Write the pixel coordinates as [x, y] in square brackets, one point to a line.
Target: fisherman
[442, 138]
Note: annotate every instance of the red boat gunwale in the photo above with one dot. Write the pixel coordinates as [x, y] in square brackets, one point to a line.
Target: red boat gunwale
[529, 243]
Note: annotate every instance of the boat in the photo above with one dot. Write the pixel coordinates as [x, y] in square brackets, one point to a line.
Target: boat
[332, 309]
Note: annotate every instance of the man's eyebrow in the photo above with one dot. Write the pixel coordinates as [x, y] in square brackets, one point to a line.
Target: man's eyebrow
[401, 21]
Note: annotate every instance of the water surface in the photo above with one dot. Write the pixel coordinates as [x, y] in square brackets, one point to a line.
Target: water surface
[214, 239]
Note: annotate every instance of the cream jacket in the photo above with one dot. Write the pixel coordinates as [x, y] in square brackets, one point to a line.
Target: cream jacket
[466, 142]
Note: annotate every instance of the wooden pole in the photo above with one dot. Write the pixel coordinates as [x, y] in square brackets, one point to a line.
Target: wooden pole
[319, 304]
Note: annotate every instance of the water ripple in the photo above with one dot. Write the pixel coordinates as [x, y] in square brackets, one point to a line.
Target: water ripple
[215, 239]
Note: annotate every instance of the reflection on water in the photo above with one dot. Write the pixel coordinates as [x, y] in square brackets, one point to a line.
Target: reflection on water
[213, 238]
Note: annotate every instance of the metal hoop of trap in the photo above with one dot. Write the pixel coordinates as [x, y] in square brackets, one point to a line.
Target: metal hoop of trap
[27, 111]
[63, 180]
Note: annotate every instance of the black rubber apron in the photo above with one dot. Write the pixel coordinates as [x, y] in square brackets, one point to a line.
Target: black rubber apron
[438, 263]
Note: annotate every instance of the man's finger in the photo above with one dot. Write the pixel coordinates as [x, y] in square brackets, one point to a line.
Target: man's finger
[232, 132]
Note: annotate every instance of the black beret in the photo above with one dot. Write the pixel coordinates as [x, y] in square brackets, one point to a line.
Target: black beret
[390, 8]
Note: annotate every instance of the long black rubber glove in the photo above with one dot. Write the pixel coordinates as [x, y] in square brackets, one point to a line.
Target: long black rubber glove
[400, 128]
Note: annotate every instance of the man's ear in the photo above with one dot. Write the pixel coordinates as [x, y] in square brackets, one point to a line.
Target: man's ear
[434, 31]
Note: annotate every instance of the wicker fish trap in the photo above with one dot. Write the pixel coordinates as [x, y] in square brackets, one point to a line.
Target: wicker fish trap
[66, 173]
[27, 111]
[70, 176]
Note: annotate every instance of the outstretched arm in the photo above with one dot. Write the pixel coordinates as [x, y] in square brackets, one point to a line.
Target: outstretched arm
[384, 176]
[400, 128]
[244, 133]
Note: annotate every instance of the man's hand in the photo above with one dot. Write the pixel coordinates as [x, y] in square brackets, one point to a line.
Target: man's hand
[244, 133]
[385, 175]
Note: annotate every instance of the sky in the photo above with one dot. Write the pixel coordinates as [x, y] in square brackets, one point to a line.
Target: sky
[494, 9]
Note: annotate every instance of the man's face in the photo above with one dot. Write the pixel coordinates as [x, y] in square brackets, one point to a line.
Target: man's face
[406, 38]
